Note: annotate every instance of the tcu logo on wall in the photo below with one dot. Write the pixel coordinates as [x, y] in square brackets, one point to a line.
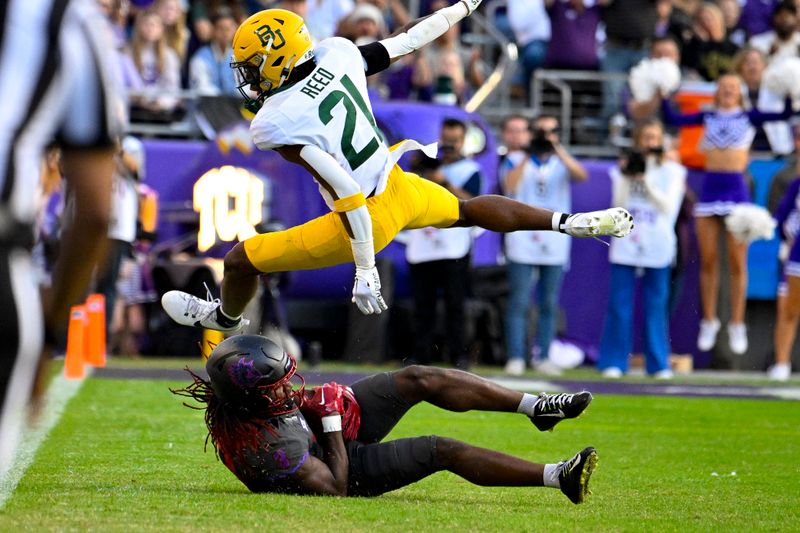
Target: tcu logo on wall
[231, 203]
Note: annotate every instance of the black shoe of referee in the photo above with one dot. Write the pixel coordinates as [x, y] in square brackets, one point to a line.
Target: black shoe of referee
[550, 409]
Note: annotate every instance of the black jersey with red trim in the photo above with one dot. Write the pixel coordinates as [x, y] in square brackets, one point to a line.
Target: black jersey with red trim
[283, 445]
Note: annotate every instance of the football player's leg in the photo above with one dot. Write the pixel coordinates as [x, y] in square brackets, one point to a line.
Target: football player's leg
[498, 213]
[239, 285]
[377, 468]
[239, 282]
[494, 469]
[382, 467]
[460, 391]
[436, 206]
[454, 390]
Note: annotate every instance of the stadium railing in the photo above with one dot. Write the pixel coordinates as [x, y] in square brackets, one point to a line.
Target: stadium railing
[489, 37]
[576, 97]
[186, 127]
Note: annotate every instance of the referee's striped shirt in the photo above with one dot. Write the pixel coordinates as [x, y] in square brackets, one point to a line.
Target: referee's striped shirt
[58, 79]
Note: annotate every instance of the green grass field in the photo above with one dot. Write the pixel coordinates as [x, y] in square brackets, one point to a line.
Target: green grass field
[126, 456]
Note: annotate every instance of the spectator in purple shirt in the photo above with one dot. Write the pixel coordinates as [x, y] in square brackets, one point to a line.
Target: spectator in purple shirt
[573, 42]
[757, 16]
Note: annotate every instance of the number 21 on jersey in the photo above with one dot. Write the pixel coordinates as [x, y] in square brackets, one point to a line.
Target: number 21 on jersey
[350, 100]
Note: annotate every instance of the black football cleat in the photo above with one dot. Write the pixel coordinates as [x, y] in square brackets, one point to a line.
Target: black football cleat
[574, 474]
[551, 409]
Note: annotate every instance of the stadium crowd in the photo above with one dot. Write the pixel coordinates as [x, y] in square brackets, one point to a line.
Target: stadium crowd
[168, 45]
[168, 49]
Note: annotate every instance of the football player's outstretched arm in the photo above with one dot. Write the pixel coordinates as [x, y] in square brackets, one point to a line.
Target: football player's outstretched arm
[420, 32]
[350, 203]
[329, 476]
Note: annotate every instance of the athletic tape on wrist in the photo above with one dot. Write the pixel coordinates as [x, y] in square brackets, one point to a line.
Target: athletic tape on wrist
[363, 254]
[331, 423]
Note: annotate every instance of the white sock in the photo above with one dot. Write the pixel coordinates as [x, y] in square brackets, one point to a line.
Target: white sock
[527, 404]
[551, 476]
[558, 221]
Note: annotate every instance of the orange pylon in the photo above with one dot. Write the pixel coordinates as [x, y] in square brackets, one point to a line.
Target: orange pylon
[96, 340]
[76, 343]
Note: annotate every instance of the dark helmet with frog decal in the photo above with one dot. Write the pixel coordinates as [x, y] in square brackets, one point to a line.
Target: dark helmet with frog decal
[250, 372]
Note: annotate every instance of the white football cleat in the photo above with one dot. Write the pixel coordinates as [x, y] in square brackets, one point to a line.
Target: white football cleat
[615, 221]
[188, 310]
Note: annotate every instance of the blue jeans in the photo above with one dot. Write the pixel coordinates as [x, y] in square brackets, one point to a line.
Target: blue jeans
[617, 342]
[520, 282]
[531, 57]
[617, 59]
[503, 25]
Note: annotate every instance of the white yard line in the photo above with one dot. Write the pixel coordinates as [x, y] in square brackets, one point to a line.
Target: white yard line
[58, 396]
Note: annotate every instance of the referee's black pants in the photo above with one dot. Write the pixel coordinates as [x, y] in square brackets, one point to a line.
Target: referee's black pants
[21, 340]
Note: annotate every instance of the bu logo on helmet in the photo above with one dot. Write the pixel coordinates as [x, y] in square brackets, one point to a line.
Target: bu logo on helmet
[266, 35]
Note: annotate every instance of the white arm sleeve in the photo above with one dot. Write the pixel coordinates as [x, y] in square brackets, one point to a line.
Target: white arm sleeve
[344, 185]
[330, 171]
[425, 31]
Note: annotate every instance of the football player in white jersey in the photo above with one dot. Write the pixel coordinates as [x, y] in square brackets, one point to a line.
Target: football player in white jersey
[312, 107]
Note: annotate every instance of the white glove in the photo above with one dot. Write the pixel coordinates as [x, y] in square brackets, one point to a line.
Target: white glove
[367, 291]
[471, 5]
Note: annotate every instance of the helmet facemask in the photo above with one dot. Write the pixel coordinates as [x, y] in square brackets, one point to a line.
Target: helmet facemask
[248, 75]
[269, 401]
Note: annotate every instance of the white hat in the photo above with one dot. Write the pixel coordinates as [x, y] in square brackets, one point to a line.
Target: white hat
[367, 11]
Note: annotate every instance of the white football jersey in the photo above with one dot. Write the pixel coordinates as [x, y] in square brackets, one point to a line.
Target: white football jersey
[329, 109]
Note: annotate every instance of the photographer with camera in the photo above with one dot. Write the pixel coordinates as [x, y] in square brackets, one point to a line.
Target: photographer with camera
[440, 258]
[540, 177]
[651, 186]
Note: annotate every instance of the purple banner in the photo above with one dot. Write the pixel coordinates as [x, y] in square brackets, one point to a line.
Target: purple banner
[174, 166]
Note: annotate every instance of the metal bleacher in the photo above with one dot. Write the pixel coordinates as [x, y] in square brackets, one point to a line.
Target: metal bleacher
[575, 96]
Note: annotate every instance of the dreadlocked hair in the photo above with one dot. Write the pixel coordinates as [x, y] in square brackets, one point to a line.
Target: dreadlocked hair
[235, 432]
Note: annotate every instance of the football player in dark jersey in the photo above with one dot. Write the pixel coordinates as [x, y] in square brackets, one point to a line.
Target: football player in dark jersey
[277, 436]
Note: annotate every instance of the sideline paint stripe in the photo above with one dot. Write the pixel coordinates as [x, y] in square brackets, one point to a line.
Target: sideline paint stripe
[59, 394]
